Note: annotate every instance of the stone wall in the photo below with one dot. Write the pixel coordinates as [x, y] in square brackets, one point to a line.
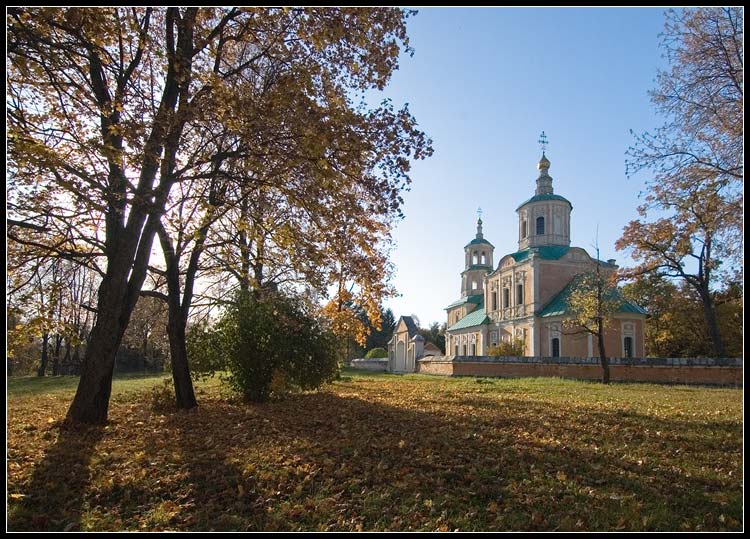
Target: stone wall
[375, 364]
[701, 371]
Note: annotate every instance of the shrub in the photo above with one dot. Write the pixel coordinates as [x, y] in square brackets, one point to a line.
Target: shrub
[265, 344]
[376, 353]
[515, 348]
[162, 397]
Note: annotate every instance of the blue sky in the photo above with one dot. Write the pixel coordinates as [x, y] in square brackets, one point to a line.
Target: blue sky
[484, 83]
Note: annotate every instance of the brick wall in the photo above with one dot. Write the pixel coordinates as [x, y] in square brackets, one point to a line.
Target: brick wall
[700, 371]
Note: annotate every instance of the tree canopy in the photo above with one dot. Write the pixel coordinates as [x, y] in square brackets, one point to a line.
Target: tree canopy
[691, 220]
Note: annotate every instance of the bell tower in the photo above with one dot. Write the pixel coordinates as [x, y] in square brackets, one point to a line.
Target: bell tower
[478, 262]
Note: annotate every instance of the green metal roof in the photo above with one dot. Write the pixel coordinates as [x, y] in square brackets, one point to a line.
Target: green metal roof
[559, 305]
[476, 317]
[476, 300]
[485, 267]
[547, 252]
[542, 198]
[476, 241]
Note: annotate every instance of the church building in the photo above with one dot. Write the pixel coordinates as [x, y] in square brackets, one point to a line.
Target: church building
[525, 296]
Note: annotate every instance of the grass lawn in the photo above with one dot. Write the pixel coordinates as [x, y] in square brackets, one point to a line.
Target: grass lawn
[381, 452]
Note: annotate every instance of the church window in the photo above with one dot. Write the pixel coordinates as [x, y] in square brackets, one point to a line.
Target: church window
[628, 345]
[474, 258]
[506, 298]
[464, 349]
[484, 259]
[473, 349]
[519, 294]
[455, 350]
[540, 226]
[523, 228]
[494, 300]
[555, 347]
[473, 285]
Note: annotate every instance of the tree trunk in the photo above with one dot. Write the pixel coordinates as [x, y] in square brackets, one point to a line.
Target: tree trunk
[45, 355]
[91, 402]
[56, 356]
[603, 356]
[709, 311]
[66, 358]
[183, 385]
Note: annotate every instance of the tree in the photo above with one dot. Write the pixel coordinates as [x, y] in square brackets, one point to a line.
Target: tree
[100, 100]
[676, 326]
[290, 139]
[435, 334]
[696, 158]
[379, 337]
[593, 300]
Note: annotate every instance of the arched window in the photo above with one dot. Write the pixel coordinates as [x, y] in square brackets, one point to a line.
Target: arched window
[628, 345]
[539, 226]
[484, 259]
[555, 347]
[474, 258]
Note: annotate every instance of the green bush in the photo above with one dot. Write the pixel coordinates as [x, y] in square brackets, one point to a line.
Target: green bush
[376, 353]
[515, 348]
[265, 345]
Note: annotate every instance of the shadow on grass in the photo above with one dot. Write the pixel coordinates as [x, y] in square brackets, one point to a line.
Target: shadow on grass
[53, 498]
[320, 461]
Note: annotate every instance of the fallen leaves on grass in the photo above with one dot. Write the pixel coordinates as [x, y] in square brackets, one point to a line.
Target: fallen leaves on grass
[387, 453]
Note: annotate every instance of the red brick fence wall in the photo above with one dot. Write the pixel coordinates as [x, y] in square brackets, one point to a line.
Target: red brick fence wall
[702, 371]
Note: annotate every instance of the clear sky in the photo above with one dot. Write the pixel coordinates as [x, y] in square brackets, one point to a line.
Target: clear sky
[483, 84]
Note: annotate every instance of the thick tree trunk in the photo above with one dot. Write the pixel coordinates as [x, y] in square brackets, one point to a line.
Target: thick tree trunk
[91, 402]
[42, 370]
[709, 311]
[603, 357]
[183, 385]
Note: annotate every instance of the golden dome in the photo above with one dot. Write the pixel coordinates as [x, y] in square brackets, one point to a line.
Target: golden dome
[543, 163]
